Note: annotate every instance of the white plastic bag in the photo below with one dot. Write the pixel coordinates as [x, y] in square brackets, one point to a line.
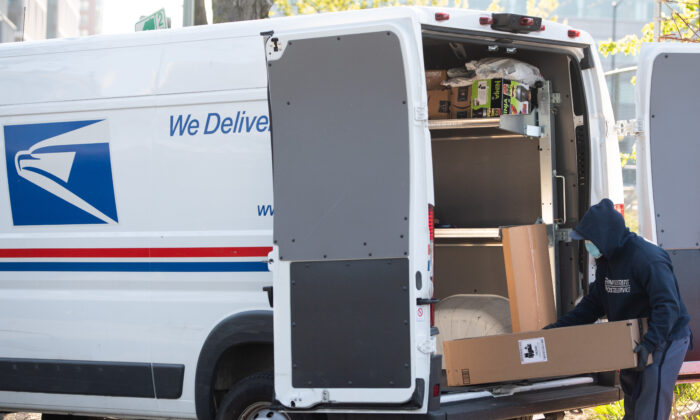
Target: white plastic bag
[507, 68]
[493, 68]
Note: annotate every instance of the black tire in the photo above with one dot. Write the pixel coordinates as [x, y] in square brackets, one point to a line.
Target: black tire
[254, 391]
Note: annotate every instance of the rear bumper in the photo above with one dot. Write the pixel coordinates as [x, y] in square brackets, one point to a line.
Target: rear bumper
[527, 403]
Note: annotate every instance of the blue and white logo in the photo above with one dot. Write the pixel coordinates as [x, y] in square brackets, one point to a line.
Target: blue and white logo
[60, 173]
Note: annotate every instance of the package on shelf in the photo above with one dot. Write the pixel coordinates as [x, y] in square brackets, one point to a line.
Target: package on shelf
[439, 104]
[434, 78]
[496, 97]
[504, 68]
[460, 101]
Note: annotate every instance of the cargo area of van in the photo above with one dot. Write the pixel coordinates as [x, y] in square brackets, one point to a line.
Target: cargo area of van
[491, 172]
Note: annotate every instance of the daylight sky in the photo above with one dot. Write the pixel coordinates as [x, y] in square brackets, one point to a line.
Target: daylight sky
[119, 16]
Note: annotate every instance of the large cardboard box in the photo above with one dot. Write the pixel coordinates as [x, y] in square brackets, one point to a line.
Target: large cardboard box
[460, 102]
[495, 97]
[529, 277]
[438, 104]
[433, 78]
[540, 354]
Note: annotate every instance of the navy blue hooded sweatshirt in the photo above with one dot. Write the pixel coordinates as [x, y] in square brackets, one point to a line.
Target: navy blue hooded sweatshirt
[634, 279]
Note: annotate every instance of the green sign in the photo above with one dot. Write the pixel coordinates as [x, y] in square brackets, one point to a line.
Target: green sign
[157, 20]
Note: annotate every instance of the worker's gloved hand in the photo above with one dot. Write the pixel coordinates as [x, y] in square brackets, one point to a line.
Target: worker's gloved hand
[552, 325]
[642, 356]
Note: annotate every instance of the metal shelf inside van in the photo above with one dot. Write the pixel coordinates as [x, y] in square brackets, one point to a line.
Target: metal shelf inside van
[473, 233]
[464, 123]
[505, 126]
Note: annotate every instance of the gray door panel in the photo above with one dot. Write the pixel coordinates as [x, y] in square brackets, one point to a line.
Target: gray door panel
[686, 267]
[340, 139]
[675, 149]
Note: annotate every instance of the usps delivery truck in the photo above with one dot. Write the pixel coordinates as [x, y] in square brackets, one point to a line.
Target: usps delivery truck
[238, 220]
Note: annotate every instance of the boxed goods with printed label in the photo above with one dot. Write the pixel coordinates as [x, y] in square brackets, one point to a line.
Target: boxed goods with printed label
[438, 104]
[433, 78]
[564, 351]
[495, 97]
[528, 276]
[460, 102]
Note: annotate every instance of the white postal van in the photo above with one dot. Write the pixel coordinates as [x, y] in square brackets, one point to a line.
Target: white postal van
[174, 202]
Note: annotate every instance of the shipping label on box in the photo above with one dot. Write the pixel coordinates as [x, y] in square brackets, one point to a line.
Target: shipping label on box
[532, 350]
[496, 97]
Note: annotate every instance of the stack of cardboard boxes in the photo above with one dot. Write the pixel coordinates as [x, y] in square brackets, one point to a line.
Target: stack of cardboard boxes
[478, 99]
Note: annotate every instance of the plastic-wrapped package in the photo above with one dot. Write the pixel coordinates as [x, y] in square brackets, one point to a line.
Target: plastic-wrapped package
[460, 72]
[494, 68]
[458, 81]
[507, 68]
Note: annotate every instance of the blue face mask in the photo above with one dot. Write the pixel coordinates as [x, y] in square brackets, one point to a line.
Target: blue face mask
[593, 250]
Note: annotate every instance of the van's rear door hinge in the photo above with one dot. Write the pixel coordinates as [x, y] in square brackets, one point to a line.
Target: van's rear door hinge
[563, 234]
[626, 128]
[421, 113]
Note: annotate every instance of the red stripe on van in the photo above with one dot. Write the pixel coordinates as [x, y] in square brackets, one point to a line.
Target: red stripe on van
[259, 251]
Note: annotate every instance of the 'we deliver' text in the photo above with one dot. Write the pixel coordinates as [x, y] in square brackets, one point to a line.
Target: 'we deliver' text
[187, 125]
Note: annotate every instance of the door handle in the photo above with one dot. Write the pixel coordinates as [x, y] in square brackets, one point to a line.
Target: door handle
[562, 220]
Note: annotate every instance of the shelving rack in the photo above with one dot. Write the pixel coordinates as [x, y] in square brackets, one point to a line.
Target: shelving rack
[536, 125]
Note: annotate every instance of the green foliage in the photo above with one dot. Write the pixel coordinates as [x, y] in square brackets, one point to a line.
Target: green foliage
[626, 158]
[543, 8]
[611, 411]
[683, 25]
[686, 405]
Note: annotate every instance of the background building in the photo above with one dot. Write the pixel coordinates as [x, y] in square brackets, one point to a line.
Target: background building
[90, 17]
[7, 27]
[32, 20]
[62, 18]
[29, 18]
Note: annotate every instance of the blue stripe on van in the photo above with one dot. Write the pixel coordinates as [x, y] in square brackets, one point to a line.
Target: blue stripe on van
[169, 267]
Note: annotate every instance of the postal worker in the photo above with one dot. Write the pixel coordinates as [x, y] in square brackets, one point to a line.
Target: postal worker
[634, 279]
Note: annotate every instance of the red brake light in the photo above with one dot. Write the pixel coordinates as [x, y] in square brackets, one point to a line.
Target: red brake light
[440, 16]
[573, 33]
[431, 223]
[526, 21]
[621, 209]
[486, 20]
[436, 390]
[542, 28]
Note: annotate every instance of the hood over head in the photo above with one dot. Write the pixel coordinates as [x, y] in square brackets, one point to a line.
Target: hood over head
[605, 227]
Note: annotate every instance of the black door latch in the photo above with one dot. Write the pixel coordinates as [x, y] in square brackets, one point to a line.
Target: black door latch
[268, 289]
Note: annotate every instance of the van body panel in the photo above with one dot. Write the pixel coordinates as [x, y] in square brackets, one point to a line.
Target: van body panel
[667, 170]
[191, 232]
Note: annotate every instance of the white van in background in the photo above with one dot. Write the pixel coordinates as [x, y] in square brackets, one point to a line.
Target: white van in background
[143, 170]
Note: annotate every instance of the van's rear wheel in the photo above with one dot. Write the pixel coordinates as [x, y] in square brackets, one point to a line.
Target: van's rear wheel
[250, 399]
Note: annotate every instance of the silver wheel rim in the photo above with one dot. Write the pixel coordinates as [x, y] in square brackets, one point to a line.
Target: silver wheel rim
[261, 411]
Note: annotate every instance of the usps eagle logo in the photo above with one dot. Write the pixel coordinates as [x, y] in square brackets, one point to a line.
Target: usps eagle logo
[60, 173]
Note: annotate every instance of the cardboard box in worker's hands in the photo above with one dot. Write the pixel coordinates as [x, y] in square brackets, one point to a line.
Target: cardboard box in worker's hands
[540, 354]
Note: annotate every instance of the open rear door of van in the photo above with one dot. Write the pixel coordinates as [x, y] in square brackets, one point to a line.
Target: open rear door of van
[668, 172]
[348, 226]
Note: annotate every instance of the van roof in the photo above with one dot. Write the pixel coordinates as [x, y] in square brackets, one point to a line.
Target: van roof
[459, 20]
